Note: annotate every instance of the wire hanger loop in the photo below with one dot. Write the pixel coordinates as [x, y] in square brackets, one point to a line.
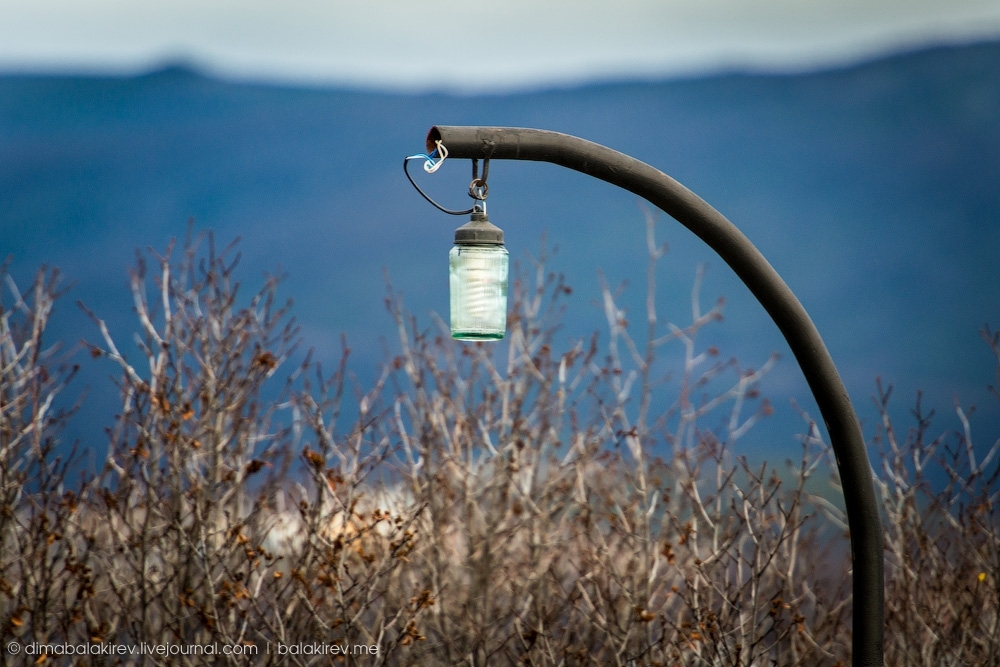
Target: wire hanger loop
[478, 189]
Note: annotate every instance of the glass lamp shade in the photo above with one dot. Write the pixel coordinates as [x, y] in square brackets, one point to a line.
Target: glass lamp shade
[478, 275]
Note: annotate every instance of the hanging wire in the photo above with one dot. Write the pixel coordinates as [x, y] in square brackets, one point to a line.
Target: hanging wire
[478, 189]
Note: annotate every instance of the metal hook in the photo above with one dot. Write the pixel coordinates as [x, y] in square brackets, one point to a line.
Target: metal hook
[477, 188]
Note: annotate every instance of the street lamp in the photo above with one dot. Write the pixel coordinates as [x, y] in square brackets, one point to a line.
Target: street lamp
[478, 263]
[508, 143]
[477, 272]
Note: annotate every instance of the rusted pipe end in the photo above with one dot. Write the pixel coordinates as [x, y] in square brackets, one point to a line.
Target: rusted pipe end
[433, 136]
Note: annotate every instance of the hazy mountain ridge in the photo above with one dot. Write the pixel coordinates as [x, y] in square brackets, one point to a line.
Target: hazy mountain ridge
[872, 189]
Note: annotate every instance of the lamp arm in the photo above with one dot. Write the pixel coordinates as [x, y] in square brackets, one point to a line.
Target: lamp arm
[509, 143]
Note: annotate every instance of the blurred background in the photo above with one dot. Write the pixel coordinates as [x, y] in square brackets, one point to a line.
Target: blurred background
[855, 143]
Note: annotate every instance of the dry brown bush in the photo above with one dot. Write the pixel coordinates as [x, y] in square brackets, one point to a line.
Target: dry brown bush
[556, 507]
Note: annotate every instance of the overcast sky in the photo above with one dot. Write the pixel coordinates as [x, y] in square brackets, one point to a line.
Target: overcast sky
[464, 44]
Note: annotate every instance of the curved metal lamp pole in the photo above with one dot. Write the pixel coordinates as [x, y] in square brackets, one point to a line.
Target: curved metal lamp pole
[509, 143]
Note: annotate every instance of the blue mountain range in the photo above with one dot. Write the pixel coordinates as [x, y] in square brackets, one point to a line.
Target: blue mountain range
[873, 189]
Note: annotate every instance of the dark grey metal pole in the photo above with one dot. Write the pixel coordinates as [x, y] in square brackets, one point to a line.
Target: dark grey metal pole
[511, 143]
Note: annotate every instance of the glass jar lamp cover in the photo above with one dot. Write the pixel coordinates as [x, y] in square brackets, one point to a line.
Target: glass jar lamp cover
[478, 266]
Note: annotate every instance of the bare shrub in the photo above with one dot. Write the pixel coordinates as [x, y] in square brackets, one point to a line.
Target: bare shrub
[583, 530]
[562, 505]
[942, 539]
[34, 503]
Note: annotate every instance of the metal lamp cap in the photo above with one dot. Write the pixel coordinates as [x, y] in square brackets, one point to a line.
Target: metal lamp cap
[479, 231]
